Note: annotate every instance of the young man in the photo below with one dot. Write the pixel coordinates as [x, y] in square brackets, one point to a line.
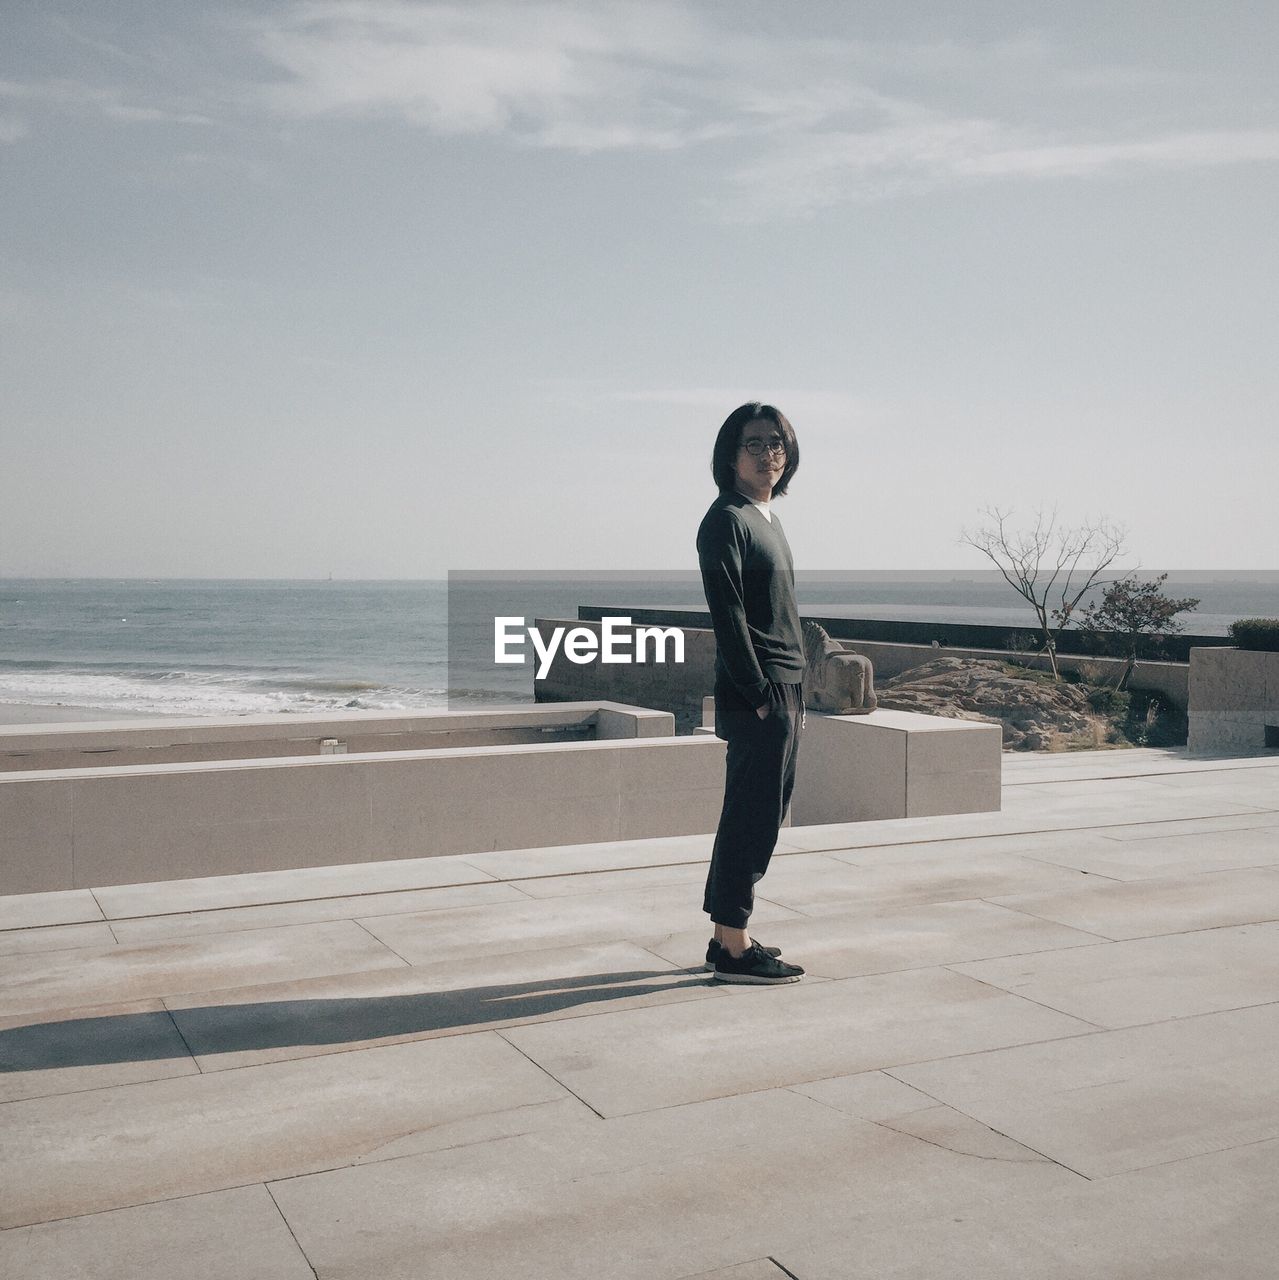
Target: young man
[749, 580]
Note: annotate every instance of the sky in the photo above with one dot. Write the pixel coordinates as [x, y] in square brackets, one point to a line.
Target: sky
[381, 289]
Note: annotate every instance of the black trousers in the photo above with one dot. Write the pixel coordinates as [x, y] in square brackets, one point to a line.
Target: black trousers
[759, 779]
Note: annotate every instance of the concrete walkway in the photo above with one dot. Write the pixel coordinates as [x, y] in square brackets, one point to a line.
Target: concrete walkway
[1037, 1043]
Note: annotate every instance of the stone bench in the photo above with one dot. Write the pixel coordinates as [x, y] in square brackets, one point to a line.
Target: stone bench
[892, 764]
[114, 823]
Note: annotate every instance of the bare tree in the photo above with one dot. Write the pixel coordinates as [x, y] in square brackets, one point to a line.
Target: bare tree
[1046, 559]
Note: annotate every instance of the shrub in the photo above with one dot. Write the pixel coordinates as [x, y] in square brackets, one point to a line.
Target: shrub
[1097, 673]
[1110, 702]
[1022, 642]
[1256, 633]
[1153, 721]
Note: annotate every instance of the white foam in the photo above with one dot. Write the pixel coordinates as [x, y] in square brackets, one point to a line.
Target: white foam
[199, 694]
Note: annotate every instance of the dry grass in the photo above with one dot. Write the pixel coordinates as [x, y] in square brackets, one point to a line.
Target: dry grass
[1100, 735]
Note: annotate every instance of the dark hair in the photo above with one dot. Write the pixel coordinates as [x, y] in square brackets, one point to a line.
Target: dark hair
[729, 441]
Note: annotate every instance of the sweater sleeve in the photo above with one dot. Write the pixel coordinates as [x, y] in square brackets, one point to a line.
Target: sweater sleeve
[721, 552]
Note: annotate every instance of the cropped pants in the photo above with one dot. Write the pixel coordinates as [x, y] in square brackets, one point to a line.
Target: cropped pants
[759, 778]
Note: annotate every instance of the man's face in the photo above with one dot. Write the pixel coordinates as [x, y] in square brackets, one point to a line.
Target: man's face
[763, 468]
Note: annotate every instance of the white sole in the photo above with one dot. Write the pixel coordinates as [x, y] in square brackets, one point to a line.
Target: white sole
[749, 979]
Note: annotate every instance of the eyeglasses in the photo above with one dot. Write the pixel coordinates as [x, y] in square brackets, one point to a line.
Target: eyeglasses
[758, 448]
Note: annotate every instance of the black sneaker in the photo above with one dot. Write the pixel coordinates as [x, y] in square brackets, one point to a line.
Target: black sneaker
[756, 966]
[713, 949]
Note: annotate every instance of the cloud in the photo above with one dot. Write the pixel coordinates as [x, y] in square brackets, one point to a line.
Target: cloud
[834, 167]
[12, 129]
[76, 96]
[780, 122]
[550, 75]
[815, 112]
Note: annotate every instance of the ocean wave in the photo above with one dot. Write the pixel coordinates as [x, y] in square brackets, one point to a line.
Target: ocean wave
[489, 695]
[328, 686]
[206, 694]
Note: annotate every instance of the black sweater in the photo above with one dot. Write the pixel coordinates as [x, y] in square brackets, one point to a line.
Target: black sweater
[749, 579]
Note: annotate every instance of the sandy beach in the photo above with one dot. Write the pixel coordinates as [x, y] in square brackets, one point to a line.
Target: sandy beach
[23, 713]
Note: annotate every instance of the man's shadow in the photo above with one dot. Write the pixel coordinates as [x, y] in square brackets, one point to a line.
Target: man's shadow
[237, 1028]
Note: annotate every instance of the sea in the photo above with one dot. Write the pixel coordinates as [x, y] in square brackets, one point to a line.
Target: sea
[218, 648]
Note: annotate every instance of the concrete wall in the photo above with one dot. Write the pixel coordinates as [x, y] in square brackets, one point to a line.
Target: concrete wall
[672, 688]
[169, 741]
[680, 689]
[895, 764]
[1234, 700]
[954, 635]
[65, 829]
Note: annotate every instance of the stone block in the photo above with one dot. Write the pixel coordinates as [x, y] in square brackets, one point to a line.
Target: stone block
[1234, 696]
[895, 764]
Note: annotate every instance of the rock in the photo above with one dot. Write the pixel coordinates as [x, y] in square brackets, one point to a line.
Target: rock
[1035, 714]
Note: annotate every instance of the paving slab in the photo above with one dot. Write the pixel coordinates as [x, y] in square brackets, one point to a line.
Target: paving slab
[226, 1235]
[849, 944]
[312, 910]
[70, 1050]
[1170, 855]
[1038, 766]
[57, 937]
[960, 850]
[916, 880]
[63, 979]
[62, 906]
[246, 1025]
[889, 831]
[130, 1144]
[1146, 908]
[603, 855]
[1044, 808]
[757, 1269]
[1055, 793]
[633, 1198]
[209, 893]
[690, 873]
[1025, 811]
[1207, 1217]
[869, 1095]
[505, 927]
[1120, 1100]
[1120, 984]
[685, 873]
[1252, 821]
[954, 1131]
[1261, 775]
[765, 1037]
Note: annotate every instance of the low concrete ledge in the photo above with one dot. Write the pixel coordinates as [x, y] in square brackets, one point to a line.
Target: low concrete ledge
[125, 824]
[895, 764]
[182, 740]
